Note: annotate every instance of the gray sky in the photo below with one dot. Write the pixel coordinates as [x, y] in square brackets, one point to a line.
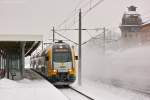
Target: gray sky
[22, 16]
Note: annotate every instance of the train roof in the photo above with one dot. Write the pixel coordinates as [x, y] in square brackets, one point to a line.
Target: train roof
[58, 44]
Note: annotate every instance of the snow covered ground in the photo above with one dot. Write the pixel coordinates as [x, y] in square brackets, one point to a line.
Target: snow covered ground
[100, 91]
[29, 90]
[42, 90]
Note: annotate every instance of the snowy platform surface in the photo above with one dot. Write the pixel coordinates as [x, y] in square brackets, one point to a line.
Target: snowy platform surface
[27, 89]
[100, 91]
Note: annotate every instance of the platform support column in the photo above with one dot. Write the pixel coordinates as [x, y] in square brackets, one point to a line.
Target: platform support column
[7, 64]
[4, 61]
[22, 60]
[0, 59]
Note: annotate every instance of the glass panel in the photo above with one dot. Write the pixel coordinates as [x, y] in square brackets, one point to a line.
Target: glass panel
[62, 57]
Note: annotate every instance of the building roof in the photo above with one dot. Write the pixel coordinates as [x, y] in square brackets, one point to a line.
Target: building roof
[146, 23]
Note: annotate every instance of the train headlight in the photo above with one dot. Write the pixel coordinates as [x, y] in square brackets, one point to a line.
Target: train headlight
[54, 70]
[70, 70]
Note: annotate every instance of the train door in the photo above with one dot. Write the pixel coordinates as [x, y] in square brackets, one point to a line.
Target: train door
[45, 59]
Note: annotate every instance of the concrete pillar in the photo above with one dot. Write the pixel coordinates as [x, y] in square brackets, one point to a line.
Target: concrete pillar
[4, 61]
[0, 59]
[22, 58]
[7, 65]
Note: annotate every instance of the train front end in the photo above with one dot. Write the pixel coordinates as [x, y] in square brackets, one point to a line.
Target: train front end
[63, 62]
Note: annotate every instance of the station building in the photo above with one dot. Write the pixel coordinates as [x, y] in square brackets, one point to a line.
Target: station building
[131, 22]
[132, 26]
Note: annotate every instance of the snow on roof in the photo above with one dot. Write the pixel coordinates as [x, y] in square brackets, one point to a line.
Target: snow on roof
[131, 25]
[146, 23]
[21, 37]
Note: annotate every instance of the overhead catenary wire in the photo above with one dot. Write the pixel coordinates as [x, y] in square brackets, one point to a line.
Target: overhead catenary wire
[94, 37]
[89, 34]
[92, 7]
[68, 29]
[91, 38]
[101, 37]
[71, 15]
[74, 13]
[65, 37]
[86, 11]
[66, 20]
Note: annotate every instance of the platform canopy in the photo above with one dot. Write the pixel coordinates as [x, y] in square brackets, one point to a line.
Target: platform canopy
[13, 42]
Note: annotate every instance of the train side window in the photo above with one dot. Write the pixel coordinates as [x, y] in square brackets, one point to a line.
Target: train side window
[43, 69]
[46, 58]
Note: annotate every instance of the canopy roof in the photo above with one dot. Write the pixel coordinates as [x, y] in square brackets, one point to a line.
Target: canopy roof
[12, 42]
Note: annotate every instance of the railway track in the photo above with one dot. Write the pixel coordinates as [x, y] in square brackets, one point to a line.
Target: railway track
[90, 98]
[73, 94]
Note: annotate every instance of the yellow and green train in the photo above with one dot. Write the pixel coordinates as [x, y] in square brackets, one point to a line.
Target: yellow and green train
[57, 62]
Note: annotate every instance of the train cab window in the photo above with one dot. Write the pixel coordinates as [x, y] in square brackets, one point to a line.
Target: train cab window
[62, 57]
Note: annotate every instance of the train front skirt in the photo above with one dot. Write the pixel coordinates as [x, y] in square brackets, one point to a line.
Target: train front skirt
[62, 78]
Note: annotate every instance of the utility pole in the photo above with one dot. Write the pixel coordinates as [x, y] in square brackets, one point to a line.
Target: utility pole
[80, 43]
[104, 30]
[53, 34]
